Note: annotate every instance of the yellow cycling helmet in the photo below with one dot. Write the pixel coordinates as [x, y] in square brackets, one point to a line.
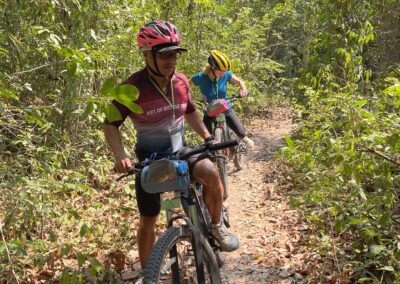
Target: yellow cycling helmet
[219, 60]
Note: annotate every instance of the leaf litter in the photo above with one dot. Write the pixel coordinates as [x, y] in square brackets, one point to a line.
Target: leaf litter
[272, 235]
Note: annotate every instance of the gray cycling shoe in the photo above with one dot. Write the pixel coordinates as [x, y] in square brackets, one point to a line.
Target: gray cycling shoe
[227, 241]
[248, 142]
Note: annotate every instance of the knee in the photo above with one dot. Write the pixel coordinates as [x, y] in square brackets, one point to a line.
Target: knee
[206, 172]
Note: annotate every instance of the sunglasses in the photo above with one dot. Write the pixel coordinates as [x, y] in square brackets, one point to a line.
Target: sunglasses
[170, 54]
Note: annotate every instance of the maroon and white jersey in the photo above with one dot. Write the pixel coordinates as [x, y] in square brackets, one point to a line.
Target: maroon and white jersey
[152, 127]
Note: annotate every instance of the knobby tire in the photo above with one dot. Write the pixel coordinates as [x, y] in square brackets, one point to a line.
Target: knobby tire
[160, 260]
[238, 156]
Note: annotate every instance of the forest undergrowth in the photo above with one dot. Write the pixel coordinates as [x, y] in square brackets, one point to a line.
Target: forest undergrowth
[335, 62]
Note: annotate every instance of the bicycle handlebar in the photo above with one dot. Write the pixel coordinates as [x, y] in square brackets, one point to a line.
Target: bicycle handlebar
[234, 97]
[208, 146]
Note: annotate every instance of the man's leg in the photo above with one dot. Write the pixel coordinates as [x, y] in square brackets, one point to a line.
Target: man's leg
[149, 208]
[145, 238]
[205, 172]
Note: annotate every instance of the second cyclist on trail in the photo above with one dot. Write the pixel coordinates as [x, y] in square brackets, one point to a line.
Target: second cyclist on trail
[213, 85]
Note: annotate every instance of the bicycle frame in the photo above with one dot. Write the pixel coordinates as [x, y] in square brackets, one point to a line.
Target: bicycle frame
[190, 201]
[197, 223]
[219, 121]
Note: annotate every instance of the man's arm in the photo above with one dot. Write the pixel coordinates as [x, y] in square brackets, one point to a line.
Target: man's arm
[196, 123]
[113, 138]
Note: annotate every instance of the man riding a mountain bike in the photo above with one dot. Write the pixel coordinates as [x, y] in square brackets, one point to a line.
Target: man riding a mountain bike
[213, 85]
[165, 99]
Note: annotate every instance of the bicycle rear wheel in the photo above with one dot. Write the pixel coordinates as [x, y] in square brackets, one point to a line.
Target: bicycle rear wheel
[221, 162]
[172, 259]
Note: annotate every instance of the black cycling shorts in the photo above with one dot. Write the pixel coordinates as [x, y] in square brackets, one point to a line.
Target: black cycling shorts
[149, 203]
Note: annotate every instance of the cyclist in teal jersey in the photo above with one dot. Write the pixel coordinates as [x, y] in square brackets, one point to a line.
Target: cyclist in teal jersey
[213, 85]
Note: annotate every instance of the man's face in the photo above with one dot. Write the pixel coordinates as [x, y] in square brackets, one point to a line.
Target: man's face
[166, 61]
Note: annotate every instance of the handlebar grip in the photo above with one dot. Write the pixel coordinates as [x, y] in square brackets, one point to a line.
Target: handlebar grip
[135, 169]
[223, 145]
[236, 96]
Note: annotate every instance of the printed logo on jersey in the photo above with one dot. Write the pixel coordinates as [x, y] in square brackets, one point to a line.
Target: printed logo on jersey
[158, 110]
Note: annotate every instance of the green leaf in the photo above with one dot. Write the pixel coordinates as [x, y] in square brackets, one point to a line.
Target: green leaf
[2, 247]
[85, 230]
[108, 86]
[387, 268]
[81, 259]
[355, 221]
[395, 90]
[385, 218]
[132, 106]
[66, 248]
[112, 113]
[89, 109]
[368, 233]
[124, 92]
[93, 34]
[74, 214]
[360, 103]
[376, 249]
[289, 142]
[66, 52]
[95, 266]
[53, 237]
[339, 225]
[65, 277]
[71, 68]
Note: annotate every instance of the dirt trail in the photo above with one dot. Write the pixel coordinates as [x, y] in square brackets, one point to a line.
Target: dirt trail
[272, 249]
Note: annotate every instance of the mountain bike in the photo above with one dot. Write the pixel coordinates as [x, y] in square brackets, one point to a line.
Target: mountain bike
[186, 251]
[222, 132]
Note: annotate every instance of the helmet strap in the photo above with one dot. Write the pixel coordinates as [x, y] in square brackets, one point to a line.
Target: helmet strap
[215, 76]
[155, 72]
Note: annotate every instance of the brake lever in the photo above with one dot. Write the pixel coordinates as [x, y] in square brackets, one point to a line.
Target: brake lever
[123, 176]
[132, 171]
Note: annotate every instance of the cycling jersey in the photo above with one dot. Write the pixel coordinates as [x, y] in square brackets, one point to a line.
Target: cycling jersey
[212, 90]
[152, 127]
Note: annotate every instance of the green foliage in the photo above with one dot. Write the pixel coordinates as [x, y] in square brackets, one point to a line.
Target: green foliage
[345, 152]
[61, 62]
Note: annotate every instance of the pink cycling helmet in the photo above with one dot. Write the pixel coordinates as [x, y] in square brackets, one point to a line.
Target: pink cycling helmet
[158, 33]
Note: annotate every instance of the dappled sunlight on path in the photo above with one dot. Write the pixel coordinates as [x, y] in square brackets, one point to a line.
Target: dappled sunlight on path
[273, 248]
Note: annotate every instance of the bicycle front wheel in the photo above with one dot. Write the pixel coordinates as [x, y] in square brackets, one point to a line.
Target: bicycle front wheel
[172, 259]
[238, 152]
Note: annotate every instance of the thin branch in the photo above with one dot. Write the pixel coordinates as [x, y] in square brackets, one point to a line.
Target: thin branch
[367, 149]
[8, 252]
[38, 67]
